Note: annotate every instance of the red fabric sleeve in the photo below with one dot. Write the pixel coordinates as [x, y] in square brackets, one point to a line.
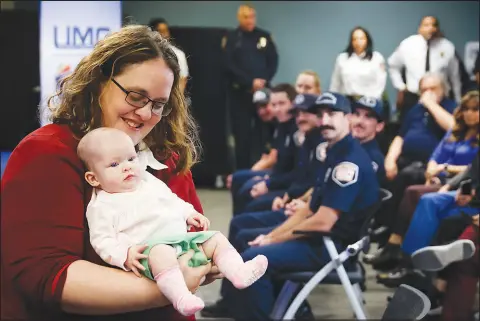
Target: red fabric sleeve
[42, 227]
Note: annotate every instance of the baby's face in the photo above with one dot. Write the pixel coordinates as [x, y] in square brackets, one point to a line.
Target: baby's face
[116, 167]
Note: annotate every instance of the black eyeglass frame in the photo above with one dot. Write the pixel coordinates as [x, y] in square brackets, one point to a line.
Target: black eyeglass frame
[165, 109]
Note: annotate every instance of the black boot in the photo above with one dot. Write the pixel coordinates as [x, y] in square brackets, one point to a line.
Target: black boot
[387, 259]
[218, 309]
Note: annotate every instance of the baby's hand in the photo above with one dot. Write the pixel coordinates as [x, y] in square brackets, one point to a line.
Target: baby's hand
[199, 221]
[135, 253]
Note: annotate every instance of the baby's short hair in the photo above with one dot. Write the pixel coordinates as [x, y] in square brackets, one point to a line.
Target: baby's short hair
[88, 146]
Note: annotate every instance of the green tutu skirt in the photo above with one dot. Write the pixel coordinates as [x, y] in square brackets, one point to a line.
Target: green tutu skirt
[181, 243]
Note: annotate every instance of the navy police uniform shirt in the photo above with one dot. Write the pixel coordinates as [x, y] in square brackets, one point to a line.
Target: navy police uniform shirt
[421, 133]
[250, 55]
[288, 143]
[312, 156]
[348, 183]
[283, 142]
[378, 159]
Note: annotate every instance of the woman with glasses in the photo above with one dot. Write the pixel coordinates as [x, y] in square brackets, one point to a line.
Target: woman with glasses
[130, 81]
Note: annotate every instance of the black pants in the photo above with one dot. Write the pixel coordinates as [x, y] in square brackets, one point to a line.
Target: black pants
[242, 114]
[409, 173]
[409, 100]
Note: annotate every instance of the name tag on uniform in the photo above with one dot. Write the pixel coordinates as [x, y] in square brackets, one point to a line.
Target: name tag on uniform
[262, 43]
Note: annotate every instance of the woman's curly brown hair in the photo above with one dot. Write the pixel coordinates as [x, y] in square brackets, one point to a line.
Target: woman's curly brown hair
[460, 129]
[77, 101]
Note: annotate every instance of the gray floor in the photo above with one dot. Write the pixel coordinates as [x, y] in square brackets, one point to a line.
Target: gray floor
[328, 301]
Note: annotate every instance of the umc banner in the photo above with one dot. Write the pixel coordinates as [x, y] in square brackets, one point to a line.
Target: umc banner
[68, 32]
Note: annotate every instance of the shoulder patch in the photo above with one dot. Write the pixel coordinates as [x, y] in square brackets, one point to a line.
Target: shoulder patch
[345, 174]
[375, 166]
[298, 138]
[321, 151]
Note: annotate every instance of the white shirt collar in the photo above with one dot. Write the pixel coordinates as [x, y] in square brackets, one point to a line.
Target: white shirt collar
[146, 158]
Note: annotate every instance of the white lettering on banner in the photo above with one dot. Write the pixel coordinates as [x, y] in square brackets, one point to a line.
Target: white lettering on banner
[68, 32]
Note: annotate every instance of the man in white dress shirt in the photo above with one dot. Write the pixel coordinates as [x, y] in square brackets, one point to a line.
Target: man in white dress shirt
[161, 26]
[426, 51]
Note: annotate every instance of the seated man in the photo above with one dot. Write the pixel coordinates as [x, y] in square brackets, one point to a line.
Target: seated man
[366, 122]
[261, 99]
[422, 129]
[283, 142]
[431, 210]
[338, 204]
[307, 139]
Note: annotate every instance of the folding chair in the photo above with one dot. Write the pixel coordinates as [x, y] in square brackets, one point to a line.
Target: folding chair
[407, 304]
[332, 273]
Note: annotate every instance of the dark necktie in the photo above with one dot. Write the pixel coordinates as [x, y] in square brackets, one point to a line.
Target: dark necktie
[427, 64]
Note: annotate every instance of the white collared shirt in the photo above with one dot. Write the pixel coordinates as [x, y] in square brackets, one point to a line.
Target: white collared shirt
[182, 61]
[412, 54]
[120, 220]
[355, 75]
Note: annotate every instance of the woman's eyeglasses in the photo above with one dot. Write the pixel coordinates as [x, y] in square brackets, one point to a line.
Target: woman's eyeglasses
[139, 100]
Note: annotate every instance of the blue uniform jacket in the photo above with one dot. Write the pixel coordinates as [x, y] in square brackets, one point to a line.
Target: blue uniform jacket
[347, 183]
[250, 55]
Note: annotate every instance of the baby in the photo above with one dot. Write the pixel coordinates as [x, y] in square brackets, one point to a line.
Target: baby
[138, 224]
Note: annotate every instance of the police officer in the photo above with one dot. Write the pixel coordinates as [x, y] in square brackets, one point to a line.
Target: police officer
[339, 204]
[251, 62]
[282, 96]
[365, 123]
[296, 183]
[427, 51]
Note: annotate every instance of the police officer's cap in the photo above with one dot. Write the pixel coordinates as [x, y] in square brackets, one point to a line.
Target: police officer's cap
[370, 103]
[333, 101]
[261, 96]
[303, 102]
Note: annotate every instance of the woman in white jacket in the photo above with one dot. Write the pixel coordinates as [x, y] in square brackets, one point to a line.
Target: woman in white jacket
[359, 71]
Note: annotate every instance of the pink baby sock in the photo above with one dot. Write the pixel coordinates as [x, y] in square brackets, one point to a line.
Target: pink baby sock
[172, 285]
[241, 274]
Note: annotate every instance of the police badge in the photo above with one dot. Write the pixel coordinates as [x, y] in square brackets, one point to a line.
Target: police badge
[262, 43]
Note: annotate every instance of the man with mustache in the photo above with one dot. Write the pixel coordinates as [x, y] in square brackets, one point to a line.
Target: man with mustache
[338, 204]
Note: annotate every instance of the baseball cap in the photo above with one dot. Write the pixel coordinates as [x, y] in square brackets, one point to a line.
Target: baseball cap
[333, 101]
[370, 103]
[261, 96]
[303, 102]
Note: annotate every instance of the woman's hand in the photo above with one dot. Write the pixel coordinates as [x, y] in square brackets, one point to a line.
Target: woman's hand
[214, 275]
[194, 276]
